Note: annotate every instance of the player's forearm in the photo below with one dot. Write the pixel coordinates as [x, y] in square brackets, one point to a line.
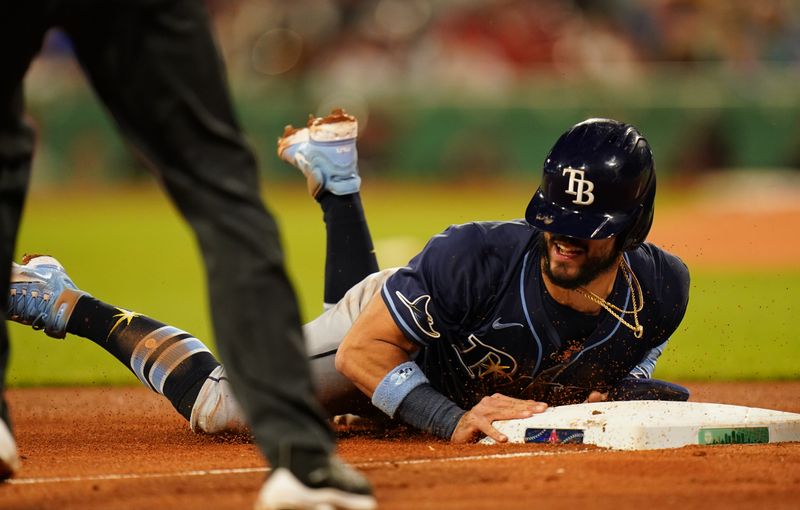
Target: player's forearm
[366, 364]
[372, 348]
[430, 411]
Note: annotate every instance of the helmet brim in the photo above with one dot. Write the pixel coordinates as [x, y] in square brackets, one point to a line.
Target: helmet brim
[550, 217]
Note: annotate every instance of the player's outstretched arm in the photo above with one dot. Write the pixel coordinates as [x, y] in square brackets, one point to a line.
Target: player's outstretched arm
[376, 356]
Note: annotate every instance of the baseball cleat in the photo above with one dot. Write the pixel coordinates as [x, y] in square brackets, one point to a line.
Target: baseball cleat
[9, 460]
[336, 485]
[42, 295]
[325, 151]
[216, 410]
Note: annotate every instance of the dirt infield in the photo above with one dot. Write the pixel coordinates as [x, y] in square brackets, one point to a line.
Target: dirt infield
[730, 228]
[118, 448]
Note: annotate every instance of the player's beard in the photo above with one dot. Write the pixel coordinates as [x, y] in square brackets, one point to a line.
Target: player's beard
[591, 268]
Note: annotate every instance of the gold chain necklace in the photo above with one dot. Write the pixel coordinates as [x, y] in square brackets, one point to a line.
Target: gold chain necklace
[615, 311]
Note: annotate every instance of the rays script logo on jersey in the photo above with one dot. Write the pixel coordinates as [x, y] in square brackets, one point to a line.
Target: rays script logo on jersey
[419, 311]
[579, 186]
[483, 360]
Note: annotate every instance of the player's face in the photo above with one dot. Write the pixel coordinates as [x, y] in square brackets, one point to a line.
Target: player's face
[571, 263]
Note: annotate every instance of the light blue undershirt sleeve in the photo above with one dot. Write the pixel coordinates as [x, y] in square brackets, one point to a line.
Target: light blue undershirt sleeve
[644, 370]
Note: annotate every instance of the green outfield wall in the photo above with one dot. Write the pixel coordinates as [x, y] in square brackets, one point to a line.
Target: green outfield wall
[693, 123]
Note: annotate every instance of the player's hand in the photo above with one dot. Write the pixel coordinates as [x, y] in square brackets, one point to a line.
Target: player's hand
[478, 420]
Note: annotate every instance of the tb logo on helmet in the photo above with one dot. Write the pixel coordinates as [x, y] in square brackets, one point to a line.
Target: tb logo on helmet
[578, 186]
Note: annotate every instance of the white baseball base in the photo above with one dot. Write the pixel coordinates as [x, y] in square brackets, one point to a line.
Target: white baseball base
[651, 424]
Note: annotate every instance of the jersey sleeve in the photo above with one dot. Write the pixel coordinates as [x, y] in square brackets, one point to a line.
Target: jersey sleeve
[442, 287]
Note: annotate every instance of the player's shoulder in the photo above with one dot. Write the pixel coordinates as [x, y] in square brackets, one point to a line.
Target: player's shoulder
[664, 279]
[491, 233]
[661, 258]
[487, 248]
[492, 227]
[651, 262]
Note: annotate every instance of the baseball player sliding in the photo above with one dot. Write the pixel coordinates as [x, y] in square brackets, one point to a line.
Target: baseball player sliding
[490, 321]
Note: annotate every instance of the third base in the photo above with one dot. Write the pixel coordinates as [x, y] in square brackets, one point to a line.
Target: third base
[650, 424]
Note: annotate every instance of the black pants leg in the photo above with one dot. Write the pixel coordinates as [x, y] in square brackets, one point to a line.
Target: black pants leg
[156, 67]
[14, 174]
[20, 39]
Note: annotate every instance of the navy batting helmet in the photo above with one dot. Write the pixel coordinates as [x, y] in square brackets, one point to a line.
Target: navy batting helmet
[598, 181]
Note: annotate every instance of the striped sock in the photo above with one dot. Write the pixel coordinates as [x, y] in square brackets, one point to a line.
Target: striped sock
[164, 358]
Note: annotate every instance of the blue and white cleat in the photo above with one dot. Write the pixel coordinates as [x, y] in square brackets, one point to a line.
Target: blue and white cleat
[42, 295]
[325, 151]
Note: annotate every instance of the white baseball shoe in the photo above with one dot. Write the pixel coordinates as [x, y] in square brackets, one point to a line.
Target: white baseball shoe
[325, 151]
[336, 486]
[9, 460]
[216, 410]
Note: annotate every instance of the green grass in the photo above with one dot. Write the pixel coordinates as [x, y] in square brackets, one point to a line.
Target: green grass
[739, 325]
[129, 248]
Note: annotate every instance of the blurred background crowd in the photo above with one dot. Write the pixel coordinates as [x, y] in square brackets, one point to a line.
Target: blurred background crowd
[493, 46]
[459, 88]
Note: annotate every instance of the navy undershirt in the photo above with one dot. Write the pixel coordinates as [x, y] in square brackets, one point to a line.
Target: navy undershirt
[573, 327]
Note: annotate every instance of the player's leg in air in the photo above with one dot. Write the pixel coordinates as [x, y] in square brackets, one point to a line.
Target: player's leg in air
[165, 359]
[325, 152]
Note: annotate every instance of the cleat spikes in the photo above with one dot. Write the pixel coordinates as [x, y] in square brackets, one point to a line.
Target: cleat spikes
[325, 152]
[289, 130]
